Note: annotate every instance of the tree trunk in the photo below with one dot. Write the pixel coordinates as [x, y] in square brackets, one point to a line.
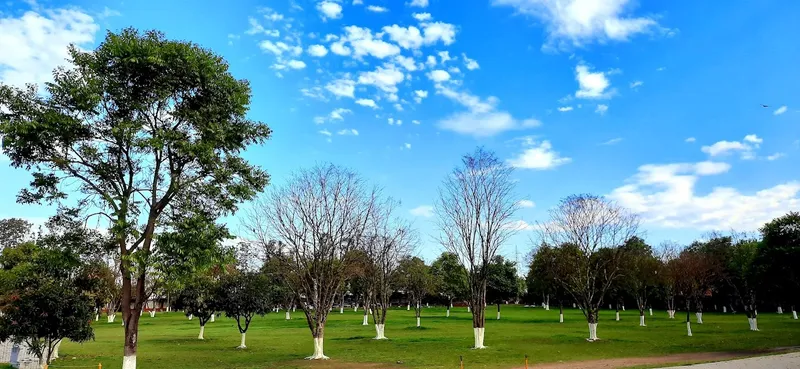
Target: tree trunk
[478, 306]
[318, 334]
[498, 311]
[288, 315]
[448, 309]
[591, 318]
[418, 311]
[641, 316]
[794, 313]
[688, 319]
[617, 312]
[560, 312]
[242, 345]
[202, 330]
[213, 318]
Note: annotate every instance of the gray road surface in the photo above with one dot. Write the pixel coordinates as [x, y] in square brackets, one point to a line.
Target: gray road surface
[785, 361]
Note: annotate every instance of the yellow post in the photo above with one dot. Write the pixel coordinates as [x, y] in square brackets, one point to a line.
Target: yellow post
[99, 365]
[526, 361]
[460, 358]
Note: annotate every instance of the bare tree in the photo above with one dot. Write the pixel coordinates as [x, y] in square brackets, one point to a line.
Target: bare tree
[474, 209]
[669, 274]
[387, 241]
[590, 229]
[318, 217]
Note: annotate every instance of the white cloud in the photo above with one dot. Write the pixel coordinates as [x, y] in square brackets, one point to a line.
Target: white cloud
[325, 132]
[36, 43]
[746, 148]
[690, 139]
[601, 109]
[425, 211]
[279, 47]
[661, 69]
[444, 56]
[329, 10]
[406, 62]
[538, 155]
[317, 50]
[415, 121]
[419, 3]
[363, 43]
[439, 75]
[592, 85]
[471, 64]
[635, 84]
[367, 102]
[564, 108]
[613, 141]
[398, 107]
[454, 70]
[390, 121]
[431, 61]
[338, 48]
[296, 64]
[384, 78]
[665, 195]
[419, 95]
[314, 93]
[407, 37]
[330, 37]
[358, 2]
[775, 156]
[342, 88]
[407, 146]
[271, 15]
[439, 31]
[347, 132]
[422, 17]
[526, 204]
[780, 110]
[482, 118]
[576, 23]
[520, 225]
[377, 9]
[338, 113]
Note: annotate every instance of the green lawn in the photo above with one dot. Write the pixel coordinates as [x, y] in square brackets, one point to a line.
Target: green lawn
[170, 341]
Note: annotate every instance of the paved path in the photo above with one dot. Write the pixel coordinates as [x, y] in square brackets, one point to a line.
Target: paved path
[785, 361]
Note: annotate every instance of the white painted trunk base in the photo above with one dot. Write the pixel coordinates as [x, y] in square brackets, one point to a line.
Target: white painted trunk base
[641, 321]
[699, 318]
[141, 312]
[561, 317]
[478, 332]
[623, 307]
[780, 310]
[213, 316]
[794, 314]
[418, 322]
[341, 309]
[366, 320]
[724, 309]
[408, 307]
[498, 315]
[355, 309]
[111, 318]
[592, 332]
[370, 311]
[288, 315]
[318, 353]
[242, 345]
[448, 313]
[293, 309]
[152, 313]
[618, 316]
[753, 324]
[651, 311]
[671, 314]
[96, 317]
[191, 316]
[689, 328]
[547, 307]
[129, 362]
[202, 330]
[380, 332]
[469, 309]
[609, 307]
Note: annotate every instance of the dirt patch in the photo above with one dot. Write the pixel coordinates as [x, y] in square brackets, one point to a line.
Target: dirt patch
[696, 357]
[335, 364]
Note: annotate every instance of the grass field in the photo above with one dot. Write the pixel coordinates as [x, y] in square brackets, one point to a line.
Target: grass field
[169, 341]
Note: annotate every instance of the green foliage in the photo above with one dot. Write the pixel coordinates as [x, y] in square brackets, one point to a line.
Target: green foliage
[244, 295]
[199, 297]
[778, 257]
[415, 278]
[14, 231]
[639, 270]
[502, 281]
[450, 277]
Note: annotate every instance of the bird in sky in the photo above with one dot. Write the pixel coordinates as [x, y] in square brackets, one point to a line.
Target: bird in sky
[764, 106]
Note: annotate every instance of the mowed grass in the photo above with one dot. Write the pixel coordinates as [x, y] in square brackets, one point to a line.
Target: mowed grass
[169, 340]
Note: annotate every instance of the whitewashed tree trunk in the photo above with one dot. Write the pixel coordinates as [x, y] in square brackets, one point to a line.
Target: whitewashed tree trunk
[294, 308]
[418, 323]
[623, 307]
[448, 313]
[794, 314]
[366, 320]
[699, 318]
[355, 308]
[498, 315]
[689, 328]
[141, 312]
[469, 309]
[152, 313]
[341, 309]
[129, 362]
[370, 311]
[191, 316]
[318, 351]
[724, 309]
[651, 311]
[617, 315]
[380, 333]
[641, 321]
[242, 345]
[561, 318]
[478, 332]
[202, 330]
[96, 317]
[609, 307]
[408, 307]
[780, 310]
[592, 332]
[213, 316]
[288, 315]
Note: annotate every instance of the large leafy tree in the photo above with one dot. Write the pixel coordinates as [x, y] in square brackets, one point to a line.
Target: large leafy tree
[140, 126]
[199, 299]
[547, 274]
[502, 283]
[639, 272]
[14, 231]
[415, 278]
[450, 278]
[242, 296]
[778, 258]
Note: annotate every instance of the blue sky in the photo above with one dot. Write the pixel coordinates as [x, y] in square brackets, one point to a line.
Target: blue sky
[652, 103]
